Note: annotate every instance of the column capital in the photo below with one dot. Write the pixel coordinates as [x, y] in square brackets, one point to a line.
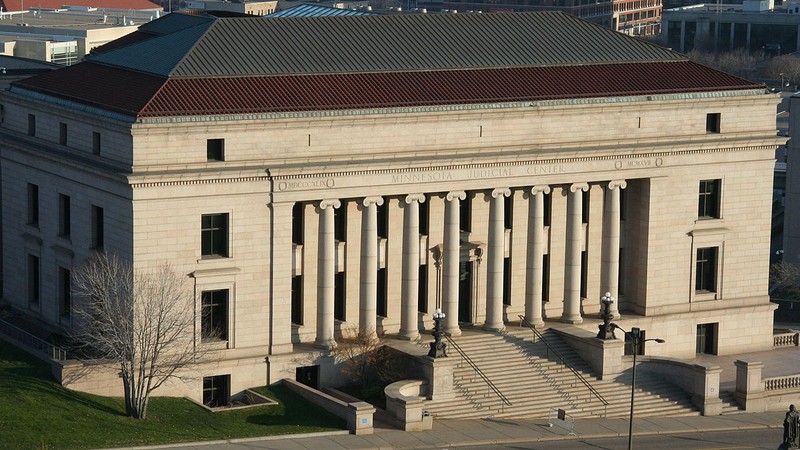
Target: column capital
[455, 195]
[575, 187]
[497, 192]
[374, 200]
[330, 203]
[613, 184]
[411, 198]
[540, 190]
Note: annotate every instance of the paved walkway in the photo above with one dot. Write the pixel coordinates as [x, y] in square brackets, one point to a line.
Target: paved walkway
[455, 433]
[458, 433]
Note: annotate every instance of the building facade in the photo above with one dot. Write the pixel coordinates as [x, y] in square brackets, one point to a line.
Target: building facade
[753, 26]
[493, 166]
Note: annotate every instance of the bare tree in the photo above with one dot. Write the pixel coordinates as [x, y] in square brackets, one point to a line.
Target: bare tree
[143, 321]
[366, 358]
[785, 68]
[785, 278]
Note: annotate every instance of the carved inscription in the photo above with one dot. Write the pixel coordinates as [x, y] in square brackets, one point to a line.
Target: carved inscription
[305, 184]
[642, 163]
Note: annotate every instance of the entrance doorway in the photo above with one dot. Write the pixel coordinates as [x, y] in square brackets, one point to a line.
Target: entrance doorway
[465, 291]
[707, 338]
[308, 375]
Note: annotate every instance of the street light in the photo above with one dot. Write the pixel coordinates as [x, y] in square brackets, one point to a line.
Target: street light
[636, 339]
[438, 348]
[606, 331]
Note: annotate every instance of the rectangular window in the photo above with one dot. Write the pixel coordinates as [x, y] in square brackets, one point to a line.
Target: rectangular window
[297, 300]
[709, 199]
[383, 220]
[95, 142]
[64, 219]
[424, 214]
[382, 306]
[31, 125]
[298, 223]
[33, 204]
[64, 292]
[548, 208]
[62, 133]
[465, 210]
[215, 235]
[33, 280]
[98, 228]
[546, 278]
[422, 297]
[339, 311]
[713, 122]
[214, 317]
[215, 149]
[584, 273]
[584, 206]
[216, 390]
[506, 281]
[340, 223]
[706, 270]
[508, 211]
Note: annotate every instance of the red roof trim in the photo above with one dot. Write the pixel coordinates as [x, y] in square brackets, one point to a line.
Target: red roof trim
[144, 96]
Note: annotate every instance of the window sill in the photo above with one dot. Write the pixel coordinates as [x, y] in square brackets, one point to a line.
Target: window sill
[215, 344]
[704, 296]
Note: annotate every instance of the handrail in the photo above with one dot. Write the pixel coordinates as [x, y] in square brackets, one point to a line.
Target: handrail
[478, 370]
[32, 342]
[574, 372]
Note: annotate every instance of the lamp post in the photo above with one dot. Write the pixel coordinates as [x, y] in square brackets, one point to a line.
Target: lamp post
[606, 331]
[438, 348]
[636, 339]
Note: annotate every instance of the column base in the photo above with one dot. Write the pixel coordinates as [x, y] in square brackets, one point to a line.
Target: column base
[453, 331]
[537, 323]
[572, 319]
[494, 327]
[409, 335]
[326, 344]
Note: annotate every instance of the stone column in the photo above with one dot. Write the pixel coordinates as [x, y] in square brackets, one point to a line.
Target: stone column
[535, 266]
[369, 265]
[409, 329]
[494, 277]
[326, 267]
[572, 272]
[450, 262]
[610, 267]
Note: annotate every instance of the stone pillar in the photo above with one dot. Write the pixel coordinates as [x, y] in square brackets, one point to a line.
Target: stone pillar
[749, 385]
[326, 267]
[535, 266]
[572, 270]
[494, 277]
[409, 328]
[610, 266]
[450, 262]
[369, 265]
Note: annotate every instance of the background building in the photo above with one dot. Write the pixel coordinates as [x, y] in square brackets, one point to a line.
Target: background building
[754, 25]
[359, 172]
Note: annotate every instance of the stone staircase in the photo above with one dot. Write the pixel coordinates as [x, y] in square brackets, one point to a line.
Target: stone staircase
[533, 379]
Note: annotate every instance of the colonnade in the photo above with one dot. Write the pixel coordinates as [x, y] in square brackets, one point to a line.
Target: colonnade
[451, 250]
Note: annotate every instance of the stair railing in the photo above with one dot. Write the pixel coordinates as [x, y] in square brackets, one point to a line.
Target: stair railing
[478, 371]
[578, 376]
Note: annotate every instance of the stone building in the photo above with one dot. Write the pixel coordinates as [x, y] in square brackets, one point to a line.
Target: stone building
[360, 172]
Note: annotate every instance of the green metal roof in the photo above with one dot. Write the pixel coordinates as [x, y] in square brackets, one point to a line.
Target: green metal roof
[365, 44]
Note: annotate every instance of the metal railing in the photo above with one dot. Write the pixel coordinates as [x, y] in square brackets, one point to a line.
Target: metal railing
[34, 343]
[478, 371]
[578, 376]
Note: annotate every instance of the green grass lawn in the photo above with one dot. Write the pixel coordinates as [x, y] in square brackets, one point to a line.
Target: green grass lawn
[37, 413]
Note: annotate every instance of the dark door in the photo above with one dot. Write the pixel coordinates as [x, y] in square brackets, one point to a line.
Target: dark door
[707, 338]
[308, 375]
[465, 292]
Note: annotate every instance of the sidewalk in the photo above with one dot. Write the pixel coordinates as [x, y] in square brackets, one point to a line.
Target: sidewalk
[455, 433]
